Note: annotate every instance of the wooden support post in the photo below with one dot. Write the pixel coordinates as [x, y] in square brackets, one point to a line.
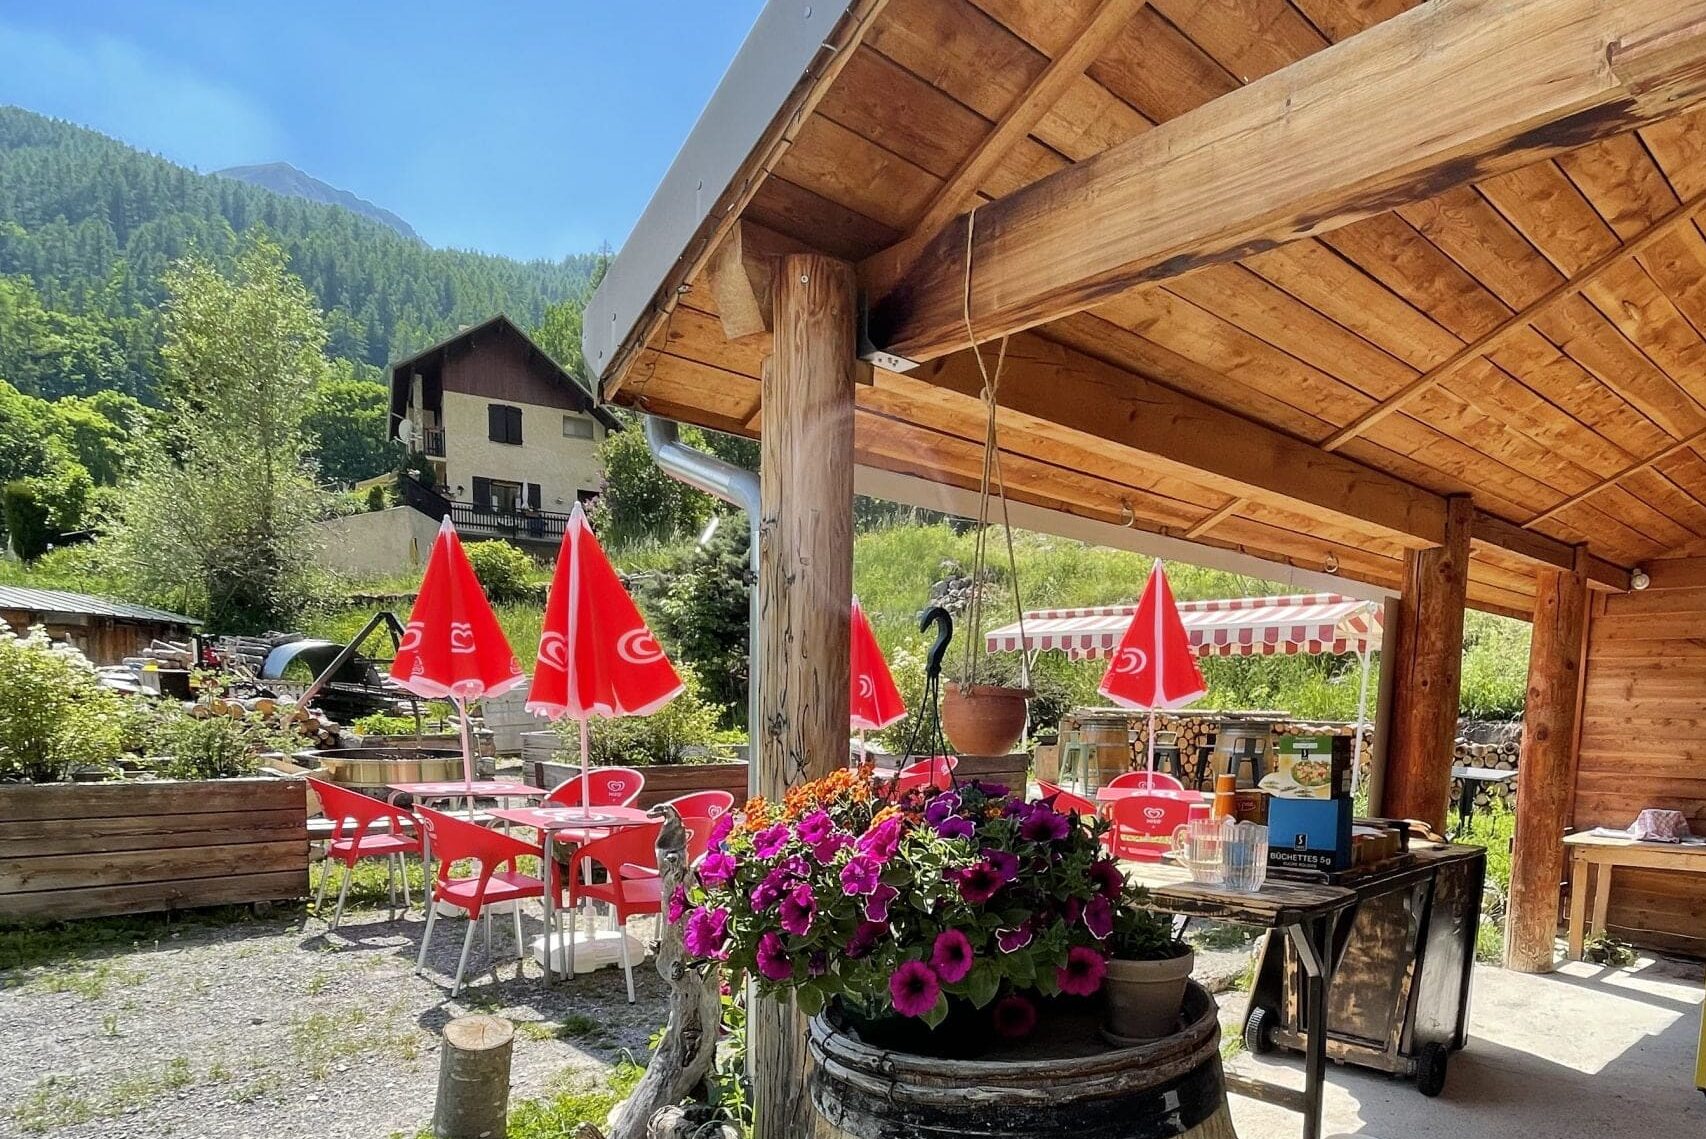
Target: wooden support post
[1428, 667]
[1547, 769]
[473, 1078]
[805, 591]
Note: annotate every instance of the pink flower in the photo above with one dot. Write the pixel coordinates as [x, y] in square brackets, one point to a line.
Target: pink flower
[768, 843]
[861, 876]
[882, 840]
[677, 904]
[798, 909]
[1014, 1017]
[1099, 917]
[1013, 940]
[956, 826]
[951, 956]
[826, 850]
[815, 827]
[721, 828]
[877, 905]
[706, 931]
[716, 868]
[864, 938]
[941, 808]
[914, 989]
[1003, 862]
[979, 883]
[769, 891]
[1106, 876]
[1082, 974]
[774, 964]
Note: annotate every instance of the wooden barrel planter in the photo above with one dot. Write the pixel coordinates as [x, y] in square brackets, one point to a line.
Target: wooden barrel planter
[1064, 1084]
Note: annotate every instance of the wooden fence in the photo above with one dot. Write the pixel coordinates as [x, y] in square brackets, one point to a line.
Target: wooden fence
[76, 850]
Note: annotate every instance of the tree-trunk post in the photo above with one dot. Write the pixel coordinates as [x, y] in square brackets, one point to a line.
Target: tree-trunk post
[1546, 771]
[473, 1079]
[1427, 671]
[805, 586]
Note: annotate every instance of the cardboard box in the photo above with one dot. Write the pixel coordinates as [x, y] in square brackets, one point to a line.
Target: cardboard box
[1309, 834]
[1311, 767]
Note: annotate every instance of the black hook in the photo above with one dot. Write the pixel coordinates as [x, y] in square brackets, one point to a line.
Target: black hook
[944, 622]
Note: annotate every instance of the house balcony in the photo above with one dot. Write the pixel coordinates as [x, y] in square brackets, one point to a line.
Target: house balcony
[473, 520]
[432, 442]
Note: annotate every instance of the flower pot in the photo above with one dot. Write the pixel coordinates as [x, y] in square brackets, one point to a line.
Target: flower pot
[984, 719]
[1144, 998]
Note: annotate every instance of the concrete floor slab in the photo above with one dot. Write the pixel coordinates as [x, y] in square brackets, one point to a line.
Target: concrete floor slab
[1583, 1053]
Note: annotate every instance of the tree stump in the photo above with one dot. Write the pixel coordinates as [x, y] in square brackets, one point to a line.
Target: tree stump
[473, 1079]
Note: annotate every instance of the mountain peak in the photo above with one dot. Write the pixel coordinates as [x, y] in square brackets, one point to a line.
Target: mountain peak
[283, 178]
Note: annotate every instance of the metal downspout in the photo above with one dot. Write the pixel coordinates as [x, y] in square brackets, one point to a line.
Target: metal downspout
[737, 487]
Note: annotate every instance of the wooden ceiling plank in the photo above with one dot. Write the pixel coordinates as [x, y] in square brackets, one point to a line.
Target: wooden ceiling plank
[1157, 69]
[1530, 77]
[1249, 39]
[1342, 19]
[1622, 181]
[1210, 521]
[1581, 496]
[1678, 145]
[1108, 19]
[1654, 487]
[838, 164]
[790, 208]
[952, 45]
[937, 132]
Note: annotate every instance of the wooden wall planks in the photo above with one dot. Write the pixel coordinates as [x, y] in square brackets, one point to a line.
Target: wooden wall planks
[1643, 744]
[84, 850]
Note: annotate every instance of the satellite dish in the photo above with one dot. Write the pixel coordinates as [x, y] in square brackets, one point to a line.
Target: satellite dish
[406, 432]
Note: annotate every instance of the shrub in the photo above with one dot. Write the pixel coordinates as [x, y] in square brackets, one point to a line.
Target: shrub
[665, 736]
[26, 517]
[55, 715]
[376, 497]
[503, 571]
[217, 746]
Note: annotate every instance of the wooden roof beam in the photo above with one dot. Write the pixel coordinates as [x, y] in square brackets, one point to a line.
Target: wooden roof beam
[1053, 384]
[1450, 92]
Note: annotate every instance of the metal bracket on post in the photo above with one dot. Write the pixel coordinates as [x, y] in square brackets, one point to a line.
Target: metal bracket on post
[869, 352]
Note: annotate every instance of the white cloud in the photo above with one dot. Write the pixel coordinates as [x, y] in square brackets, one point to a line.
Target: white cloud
[115, 87]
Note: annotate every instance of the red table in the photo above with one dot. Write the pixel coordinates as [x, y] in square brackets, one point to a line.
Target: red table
[548, 821]
[478, 789]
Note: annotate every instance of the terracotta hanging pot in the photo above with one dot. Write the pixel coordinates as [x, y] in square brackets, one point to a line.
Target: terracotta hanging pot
[984, 719]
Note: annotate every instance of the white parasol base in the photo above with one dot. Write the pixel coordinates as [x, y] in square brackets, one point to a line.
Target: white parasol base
[592, 950]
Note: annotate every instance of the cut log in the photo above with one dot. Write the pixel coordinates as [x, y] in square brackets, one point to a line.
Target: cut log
[473, 1079]
[689, 1045]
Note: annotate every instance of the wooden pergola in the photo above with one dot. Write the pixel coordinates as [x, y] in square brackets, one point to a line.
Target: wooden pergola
[1412, 296]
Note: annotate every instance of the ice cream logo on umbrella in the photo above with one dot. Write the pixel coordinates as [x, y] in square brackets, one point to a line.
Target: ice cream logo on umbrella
[1132, 661]
[554, 651]
[461, 637]
[638, 646]
[867, 688]
[412, 633]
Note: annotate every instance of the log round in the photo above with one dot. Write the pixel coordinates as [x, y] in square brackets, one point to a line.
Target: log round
[1171, 1088]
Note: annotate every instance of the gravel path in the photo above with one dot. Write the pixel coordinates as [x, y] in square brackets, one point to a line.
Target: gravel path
[273, 1027]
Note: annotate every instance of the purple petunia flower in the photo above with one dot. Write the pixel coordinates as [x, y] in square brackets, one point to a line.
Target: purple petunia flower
[795, 866]
[941, 808]
[882, 840]
[979, 883]
[677, 904]
[1044, 824]
[706, 931]
[1013, 940]
[951, 956]
[798, 910]
[815, 827]
[861, 875]
[956, 826]
[993, 790]
[768, 843]
[1099, 917]
[721, 828]
[1082, 974]
[877, 905]
[1072, 911]
[914, 989]
[773, 961]
[1004, 863]
[1014, 1017]
[716, 868]
[768, 892]
[833, 844]
[1105, 875]
[865, 937]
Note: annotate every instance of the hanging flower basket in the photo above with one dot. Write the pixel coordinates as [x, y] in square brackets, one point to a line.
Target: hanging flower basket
[984, 719]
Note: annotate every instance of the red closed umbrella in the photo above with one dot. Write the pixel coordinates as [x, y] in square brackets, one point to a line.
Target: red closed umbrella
[1154, 667]
[873, 697]
[596, 655]
[453, 646]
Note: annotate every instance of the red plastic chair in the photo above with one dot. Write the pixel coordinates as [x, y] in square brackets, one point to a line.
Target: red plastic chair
[453, 841]
[353, 814]
[627, 894]
[1144, 825]
[605, 787]
[937, 771]
[1152, 780]
[701, 804]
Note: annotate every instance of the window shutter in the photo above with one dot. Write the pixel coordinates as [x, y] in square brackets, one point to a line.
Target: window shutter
[482, 492]
[494, 423]
[515, 424]
[533, 495]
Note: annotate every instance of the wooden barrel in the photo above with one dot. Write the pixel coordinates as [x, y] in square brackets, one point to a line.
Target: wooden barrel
[1108, 739]
[1068, 1085]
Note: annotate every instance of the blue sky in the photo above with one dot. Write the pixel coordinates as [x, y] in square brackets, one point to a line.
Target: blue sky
[527, 128]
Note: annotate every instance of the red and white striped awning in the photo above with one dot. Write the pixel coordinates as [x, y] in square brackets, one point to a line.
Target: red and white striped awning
[1239, 626]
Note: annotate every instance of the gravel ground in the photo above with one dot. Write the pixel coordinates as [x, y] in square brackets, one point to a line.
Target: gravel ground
[274, 1028]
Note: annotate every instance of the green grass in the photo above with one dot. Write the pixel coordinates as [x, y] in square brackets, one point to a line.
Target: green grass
[575, 1026]
[31, 946]
[1493, 830]
[57, 1102]
[579, 1100]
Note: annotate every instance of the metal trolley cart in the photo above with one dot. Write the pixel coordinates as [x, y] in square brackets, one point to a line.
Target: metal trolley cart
[1399, 1000]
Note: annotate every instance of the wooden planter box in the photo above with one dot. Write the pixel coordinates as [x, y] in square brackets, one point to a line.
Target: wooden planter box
[663, 780]
[77, 850]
